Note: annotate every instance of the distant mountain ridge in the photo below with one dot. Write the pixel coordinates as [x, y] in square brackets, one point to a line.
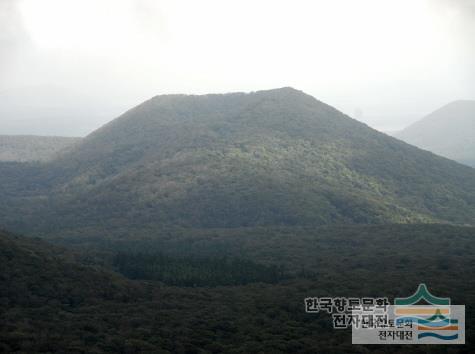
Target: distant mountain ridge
[448, 132]
[24, 148]
[276, 157]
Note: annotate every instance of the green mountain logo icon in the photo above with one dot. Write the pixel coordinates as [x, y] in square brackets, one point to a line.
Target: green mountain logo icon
[422, 293]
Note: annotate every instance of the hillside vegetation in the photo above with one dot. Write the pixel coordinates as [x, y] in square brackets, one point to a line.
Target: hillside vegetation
[277, 157]
[35, 274]
[52, 301]
[25, 148]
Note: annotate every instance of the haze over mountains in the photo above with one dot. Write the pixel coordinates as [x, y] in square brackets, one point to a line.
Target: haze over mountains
[448, 132]
[277, 157]
[32, 148]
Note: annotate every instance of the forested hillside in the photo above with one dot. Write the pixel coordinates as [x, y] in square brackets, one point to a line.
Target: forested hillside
[55, 301]
[277, 157]
[35, 273]
[33, 148]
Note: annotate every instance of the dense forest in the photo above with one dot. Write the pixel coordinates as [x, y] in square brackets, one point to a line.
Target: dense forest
[194, 271]
[77, 303]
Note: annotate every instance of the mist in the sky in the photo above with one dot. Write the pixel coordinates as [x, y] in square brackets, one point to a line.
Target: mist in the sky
[69, 66]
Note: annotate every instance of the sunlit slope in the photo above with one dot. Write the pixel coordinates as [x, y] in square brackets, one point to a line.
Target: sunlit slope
[277, 157]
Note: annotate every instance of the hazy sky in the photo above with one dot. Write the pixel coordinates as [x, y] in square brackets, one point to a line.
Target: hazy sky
[69, 66]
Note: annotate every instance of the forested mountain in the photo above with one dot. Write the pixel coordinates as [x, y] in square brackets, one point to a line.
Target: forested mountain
[24, 148]
[277, 157]
[449, 132]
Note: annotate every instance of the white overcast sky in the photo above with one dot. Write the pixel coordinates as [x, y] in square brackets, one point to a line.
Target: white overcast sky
[69, 66]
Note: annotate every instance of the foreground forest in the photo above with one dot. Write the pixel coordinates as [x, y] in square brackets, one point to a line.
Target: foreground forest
[79, 303]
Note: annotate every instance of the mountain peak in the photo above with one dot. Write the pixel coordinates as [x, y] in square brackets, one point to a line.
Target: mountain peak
[273, 157]
[285, 89]
[269, 107]
[281, 91]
